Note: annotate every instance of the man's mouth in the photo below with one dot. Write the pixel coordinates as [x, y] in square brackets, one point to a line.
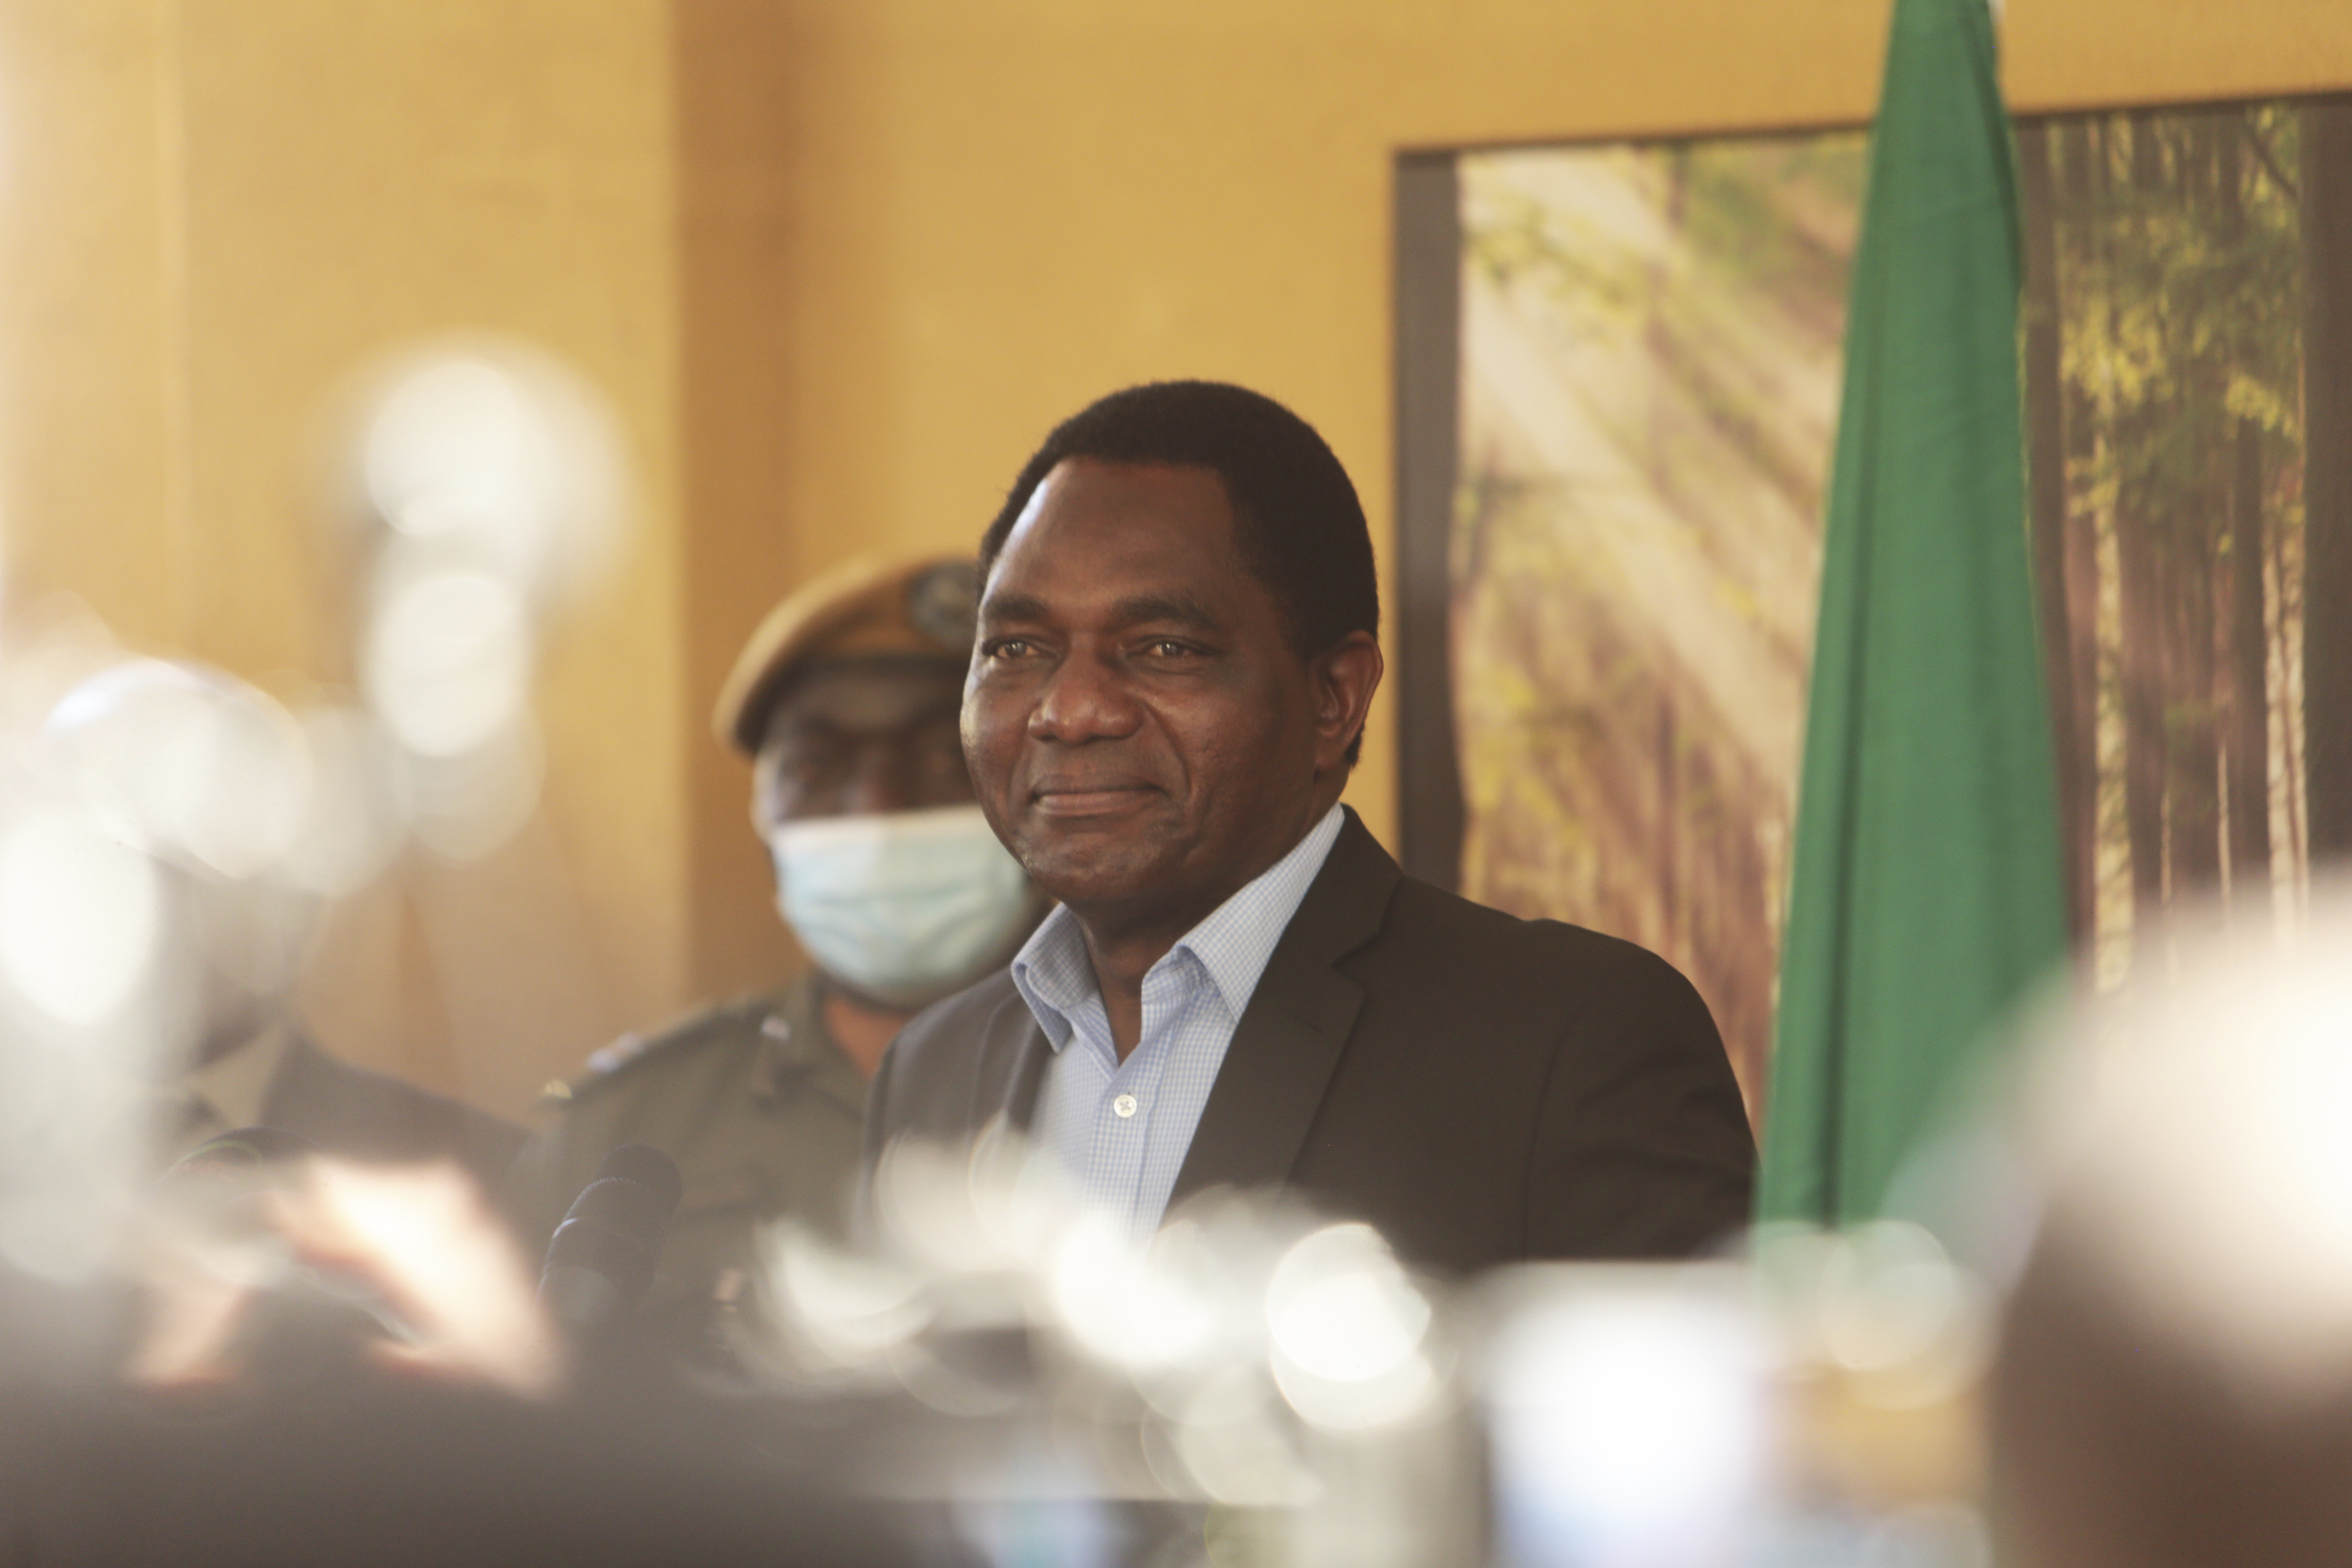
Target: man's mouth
[1088, 797]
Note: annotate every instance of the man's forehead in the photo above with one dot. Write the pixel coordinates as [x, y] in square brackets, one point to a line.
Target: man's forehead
[1108, 532]
[875, 693]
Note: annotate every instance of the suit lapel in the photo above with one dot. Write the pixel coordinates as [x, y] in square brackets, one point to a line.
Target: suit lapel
[1013, 1067]
[1290, 1035]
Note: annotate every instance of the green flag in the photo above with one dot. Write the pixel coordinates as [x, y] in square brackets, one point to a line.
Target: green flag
[1927, 892]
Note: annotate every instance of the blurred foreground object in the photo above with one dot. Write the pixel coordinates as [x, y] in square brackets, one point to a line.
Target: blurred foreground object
[161, 842]
[601, 1258]
[1927, 896]
[223, 791]
[489, 476]
[1264, 1384]
[264, 1253]
[845, 698]
[2175, 1382]
[346, 1364]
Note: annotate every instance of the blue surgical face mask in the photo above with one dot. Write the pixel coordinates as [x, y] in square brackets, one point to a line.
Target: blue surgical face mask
[906, 906]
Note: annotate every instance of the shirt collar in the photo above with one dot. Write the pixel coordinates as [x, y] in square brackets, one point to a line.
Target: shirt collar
[1232, 944]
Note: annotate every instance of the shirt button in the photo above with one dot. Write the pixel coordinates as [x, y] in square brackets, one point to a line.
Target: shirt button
[1124, 1105]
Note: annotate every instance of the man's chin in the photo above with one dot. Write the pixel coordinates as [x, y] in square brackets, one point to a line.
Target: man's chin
[1091, 869]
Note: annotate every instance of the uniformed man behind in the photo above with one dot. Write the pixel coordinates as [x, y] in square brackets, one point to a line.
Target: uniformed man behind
[846, 700]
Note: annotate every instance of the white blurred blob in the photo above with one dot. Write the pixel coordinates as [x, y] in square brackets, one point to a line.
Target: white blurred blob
[2197, 1134]
[1232, 1442]
[52, 1236]
[1348, 1328]
[193, 763]
[211, 782]
[1628, 1419]
[848, 1307]
[1897, 1312]
[1131, 1308]
[492, 453]
[463, 807]
[422, 1236]
[493, 472]
[48, 647]
[415, 1247]
[354, 825]
[447, 661]
[80, 915]
[935, 1205]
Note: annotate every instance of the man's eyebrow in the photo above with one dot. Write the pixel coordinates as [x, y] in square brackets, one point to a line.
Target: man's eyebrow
[1177, 608]
[1181, 609]
[1012, 607]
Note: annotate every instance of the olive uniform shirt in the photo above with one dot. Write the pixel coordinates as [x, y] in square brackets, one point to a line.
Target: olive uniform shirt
[759, 1108]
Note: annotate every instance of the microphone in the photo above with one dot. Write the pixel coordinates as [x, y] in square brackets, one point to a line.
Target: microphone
[601, 1259]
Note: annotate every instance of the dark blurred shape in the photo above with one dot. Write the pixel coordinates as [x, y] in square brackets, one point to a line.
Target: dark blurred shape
[601, 1257]
[357, 1114]
[400, 1474]
[2175, 1381]
[2116, 1444]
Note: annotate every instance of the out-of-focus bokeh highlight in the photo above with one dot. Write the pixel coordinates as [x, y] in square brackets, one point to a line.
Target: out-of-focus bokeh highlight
[170, 835]
[2104, 1322]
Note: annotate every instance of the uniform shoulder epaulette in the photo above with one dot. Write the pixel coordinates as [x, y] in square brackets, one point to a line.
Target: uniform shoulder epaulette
[710, 1025]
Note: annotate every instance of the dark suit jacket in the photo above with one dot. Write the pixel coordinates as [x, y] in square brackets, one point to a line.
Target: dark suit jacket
[1481, 1088]
[361, 1115]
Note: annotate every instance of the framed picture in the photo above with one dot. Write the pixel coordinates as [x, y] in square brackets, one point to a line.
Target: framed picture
[1618, 371]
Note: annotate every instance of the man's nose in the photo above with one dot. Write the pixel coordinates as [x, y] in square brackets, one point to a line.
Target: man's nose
[1085, 699]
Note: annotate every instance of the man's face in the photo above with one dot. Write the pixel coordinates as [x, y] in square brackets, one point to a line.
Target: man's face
[860, 736]
[1141, 733]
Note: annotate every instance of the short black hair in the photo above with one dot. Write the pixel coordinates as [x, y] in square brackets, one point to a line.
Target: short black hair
[1297, 520]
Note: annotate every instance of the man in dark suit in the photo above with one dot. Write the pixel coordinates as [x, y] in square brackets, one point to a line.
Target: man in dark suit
[233, 925]
[1177, 650]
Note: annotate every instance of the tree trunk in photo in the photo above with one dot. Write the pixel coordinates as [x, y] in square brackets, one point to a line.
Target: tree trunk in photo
[2192, 753]
[2195, 502]
[2046, 488]
[2249, 729]
[2146, 625]
[2250, 692]
[2087, 522]
[2326, 182]
[2145, 628]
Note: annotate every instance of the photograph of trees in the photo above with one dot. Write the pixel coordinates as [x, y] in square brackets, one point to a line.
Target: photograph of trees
[1648, 378]
[2184, 348]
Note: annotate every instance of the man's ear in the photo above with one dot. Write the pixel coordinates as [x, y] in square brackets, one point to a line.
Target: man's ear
[1345, 675]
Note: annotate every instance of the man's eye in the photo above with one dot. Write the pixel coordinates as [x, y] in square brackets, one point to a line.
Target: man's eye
[1012, 647]
[1167, 648]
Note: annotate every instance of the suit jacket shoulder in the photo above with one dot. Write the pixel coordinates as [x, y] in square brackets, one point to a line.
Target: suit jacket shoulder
[958, 1065]
[361, 1115]
[1590, 1059]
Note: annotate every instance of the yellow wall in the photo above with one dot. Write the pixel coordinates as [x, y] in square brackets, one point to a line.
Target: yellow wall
[837, 263]
[213, 215]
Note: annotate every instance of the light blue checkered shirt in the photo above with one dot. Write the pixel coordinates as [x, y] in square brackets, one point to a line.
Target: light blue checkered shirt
[1192, 998]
